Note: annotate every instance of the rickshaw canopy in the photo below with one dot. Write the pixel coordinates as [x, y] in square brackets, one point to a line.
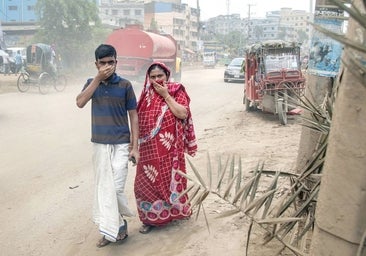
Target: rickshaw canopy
[39, 57]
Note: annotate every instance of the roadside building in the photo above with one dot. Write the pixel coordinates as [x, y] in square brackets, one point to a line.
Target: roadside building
[176, 19]
[294, 24]
[261, 29]
[18, 19]
[121, 13]
[19, 22]
[224, 24]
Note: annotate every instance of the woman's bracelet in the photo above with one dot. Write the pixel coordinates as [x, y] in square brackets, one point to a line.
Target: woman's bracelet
[167, 97]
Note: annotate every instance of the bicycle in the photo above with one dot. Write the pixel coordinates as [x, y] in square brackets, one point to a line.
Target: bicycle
[44, 82]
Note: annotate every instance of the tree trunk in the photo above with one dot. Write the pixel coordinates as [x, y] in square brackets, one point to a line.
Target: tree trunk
[341, 208]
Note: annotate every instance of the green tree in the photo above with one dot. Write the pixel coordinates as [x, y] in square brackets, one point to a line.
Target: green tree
[71, 26]
[154, 26]
[234, 42]
[281, 32]
[258, 32]
[302, 36]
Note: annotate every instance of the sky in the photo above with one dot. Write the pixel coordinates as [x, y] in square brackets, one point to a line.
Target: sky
[258, 8]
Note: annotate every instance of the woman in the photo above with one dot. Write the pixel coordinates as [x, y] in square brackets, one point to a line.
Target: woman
[166, 133]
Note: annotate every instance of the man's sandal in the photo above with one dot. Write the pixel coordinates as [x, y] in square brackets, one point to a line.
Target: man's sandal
[145, 229]
[122, 235]
[103, 242]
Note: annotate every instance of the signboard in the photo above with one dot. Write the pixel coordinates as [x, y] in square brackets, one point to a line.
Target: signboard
[325, 52]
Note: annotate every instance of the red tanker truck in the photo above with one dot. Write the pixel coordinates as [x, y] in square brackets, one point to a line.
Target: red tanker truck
[137, 49]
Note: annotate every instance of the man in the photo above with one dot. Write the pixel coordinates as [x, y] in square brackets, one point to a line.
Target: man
[113, 107]
[18, 62]
[6, 63]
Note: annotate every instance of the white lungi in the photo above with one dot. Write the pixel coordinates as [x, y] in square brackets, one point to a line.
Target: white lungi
[110, 202]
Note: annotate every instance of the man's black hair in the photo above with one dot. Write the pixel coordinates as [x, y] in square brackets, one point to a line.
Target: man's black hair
[105, 50]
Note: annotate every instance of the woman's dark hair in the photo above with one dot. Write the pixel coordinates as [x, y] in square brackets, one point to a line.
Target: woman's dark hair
[105, 50]
[158, 66]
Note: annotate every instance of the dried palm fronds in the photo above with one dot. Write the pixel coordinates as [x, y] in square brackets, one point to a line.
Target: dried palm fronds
[278, 217]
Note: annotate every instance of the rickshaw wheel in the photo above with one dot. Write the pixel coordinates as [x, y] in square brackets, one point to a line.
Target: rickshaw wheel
[45, 83]
[23, 82]
[282, 115]
[60, 83]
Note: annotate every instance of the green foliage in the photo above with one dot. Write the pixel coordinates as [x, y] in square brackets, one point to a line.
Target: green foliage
[302, 36]
[72, 26]
[258, 32]
[282, 32]
[154, 26]
[234, 42]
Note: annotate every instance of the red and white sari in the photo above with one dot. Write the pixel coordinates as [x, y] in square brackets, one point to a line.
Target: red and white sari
[164, 139]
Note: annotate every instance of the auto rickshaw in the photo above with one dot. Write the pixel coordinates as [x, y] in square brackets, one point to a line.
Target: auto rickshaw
[273, 77]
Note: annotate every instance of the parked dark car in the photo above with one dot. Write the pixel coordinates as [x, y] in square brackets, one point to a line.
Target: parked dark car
[234, 71]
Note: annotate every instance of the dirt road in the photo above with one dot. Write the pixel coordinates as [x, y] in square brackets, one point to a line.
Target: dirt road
[46, 181]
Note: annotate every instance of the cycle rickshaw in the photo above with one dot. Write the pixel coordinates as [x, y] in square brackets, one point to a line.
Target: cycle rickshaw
[41, 70]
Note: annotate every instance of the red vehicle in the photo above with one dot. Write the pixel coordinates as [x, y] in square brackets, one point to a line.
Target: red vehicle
[137, 49]
[272, 77]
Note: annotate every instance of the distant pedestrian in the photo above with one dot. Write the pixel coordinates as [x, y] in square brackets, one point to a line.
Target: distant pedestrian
[6, 64]
[18, 62]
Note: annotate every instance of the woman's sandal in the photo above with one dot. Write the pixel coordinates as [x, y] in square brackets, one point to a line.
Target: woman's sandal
[145, 229]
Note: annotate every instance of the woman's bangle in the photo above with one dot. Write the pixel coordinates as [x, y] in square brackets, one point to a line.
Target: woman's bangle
[167, 97]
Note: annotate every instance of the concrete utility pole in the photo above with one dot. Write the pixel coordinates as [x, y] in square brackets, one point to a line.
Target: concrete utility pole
[198, 20]
[311, 6]
[227, 7]
[248, 32]
[321, 74]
